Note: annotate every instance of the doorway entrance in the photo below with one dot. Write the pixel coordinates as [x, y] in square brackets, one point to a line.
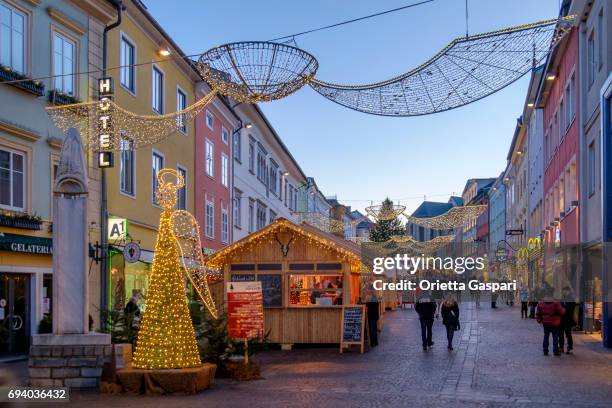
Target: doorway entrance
[14, 312]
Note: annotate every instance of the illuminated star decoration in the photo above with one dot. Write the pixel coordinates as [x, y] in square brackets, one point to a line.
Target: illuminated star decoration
[385, 212]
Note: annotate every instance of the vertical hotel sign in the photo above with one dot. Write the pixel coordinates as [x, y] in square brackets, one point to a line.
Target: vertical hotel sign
[104, 124]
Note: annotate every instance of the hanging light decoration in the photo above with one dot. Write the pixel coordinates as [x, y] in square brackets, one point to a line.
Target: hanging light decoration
[322, 222]
[454, 218]
[466, 70]
[139, 130]
[385, 212]
[257, 71]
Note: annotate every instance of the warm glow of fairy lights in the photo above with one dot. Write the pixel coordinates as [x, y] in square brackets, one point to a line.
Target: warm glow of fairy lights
[385, 212]
[167, 338]
[140, 130]
[454, 218]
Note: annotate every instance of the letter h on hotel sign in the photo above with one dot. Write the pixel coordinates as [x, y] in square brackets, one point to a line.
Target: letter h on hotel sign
[104, 125]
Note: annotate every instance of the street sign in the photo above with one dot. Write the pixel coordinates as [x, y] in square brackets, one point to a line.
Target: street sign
[514, 232]
[501, 254]
[245, 310]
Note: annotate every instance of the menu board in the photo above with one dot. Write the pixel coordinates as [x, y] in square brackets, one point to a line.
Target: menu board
[353, 319]
[271, 288]
[245, 310]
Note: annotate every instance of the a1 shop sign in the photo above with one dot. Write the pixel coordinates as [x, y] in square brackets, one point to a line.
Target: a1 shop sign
[245, 310]
[104, 125]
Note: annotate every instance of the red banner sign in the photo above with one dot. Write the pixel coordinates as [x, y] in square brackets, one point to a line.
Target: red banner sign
[245, 310]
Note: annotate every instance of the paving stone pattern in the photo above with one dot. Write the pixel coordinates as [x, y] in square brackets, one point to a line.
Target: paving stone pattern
[497, 362]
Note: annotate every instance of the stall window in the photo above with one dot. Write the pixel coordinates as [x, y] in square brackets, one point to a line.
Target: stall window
[315, 289]
[270, 277]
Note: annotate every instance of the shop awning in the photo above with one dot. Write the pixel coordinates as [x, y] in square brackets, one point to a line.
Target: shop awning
[25, 244]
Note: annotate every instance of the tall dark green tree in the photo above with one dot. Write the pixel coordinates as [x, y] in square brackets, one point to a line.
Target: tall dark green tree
[388, 225]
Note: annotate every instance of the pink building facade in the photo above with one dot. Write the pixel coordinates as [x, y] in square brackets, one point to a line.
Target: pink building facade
[215, 126]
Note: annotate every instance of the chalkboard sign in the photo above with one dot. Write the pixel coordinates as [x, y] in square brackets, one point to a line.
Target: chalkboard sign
[353, 319]
[271, 287]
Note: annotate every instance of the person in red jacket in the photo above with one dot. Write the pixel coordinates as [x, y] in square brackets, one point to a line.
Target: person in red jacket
[548, 314]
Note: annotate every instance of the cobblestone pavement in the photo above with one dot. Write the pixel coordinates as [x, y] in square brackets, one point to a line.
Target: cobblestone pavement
[497, 362]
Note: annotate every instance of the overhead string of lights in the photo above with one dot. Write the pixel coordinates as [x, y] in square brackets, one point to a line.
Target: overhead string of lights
[453, 218]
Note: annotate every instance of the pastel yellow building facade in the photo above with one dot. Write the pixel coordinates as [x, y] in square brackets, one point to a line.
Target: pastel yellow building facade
[155, 79]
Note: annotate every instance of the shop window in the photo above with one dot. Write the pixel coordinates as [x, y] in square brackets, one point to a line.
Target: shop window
[315, 289]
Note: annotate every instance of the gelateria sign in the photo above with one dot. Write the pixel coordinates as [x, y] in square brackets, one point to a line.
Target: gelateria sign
[25, 244]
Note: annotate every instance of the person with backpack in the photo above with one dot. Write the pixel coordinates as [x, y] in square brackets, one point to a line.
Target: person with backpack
[548, 314]
[426, 309]
[450, 318]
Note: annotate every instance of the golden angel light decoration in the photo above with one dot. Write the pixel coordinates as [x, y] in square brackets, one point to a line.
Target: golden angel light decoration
[166, 338]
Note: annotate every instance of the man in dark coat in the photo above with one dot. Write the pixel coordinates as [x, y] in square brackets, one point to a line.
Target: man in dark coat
[568, 302]
[426, 309]
[548, 314]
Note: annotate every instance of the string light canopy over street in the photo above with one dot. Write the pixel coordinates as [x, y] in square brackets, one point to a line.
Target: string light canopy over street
[257, 71]
[466, 70]
[385, 212]
[454, 218]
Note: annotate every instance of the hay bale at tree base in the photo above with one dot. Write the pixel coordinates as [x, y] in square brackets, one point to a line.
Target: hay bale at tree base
[170, 381]
[242, 372]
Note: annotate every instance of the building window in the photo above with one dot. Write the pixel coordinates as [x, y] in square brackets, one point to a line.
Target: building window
[237, 208]
[210, 121]
[63, 64]
[591, 59]
[251, 215]
[158, 164]
[126, 165]
[224, 225]
[273, 177]
[12, 179]
[262, 166]
[12, 38]
[261, 215]
[210, 158]
[224, 170]
[158, 90]
[272, 216]
[237, 146]
[210, 218]
[181, 194]
[600, 39]
[181, 104]
[251, 154]
[562, 119]
[290, 197]
[224, 135]
[128, 69]
[591, 162]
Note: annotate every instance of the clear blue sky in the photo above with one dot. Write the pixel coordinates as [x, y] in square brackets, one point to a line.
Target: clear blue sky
[354, 155]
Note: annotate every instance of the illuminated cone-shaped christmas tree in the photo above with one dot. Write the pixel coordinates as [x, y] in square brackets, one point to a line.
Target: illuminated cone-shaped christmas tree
[166, 338]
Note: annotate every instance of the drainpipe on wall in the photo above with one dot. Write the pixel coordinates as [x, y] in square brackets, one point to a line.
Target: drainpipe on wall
[104, 265]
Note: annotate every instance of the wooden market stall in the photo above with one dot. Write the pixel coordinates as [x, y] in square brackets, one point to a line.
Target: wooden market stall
[306, 274]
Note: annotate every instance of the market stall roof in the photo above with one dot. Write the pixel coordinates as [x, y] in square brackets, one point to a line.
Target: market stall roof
[346, 249]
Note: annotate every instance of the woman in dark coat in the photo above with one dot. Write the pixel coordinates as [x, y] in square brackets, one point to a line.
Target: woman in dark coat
[450, 317]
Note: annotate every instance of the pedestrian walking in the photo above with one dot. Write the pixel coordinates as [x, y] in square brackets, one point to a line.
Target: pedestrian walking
[533, 302]
[426, 309]
[450, 318]
[524, 296]
[548, 314]
[373, 313]
[568, 302]
[494, 300]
